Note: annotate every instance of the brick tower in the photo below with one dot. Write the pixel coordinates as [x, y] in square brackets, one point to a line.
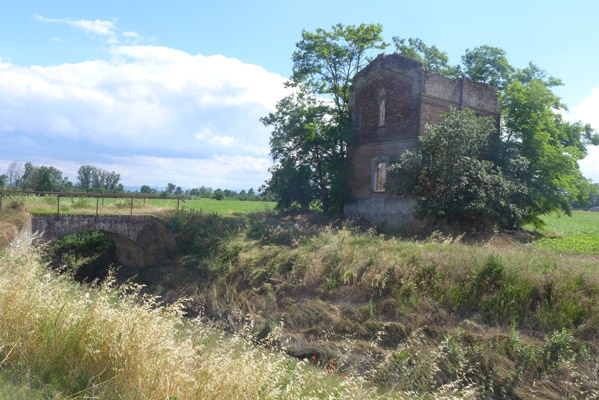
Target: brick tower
[392, 100]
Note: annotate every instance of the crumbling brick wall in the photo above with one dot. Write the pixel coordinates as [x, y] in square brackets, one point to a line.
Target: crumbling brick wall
[392, 100]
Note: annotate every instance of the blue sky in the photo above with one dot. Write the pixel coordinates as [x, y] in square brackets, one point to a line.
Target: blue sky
[173, 91]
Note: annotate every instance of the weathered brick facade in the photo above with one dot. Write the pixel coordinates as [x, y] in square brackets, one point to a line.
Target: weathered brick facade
[392, 100]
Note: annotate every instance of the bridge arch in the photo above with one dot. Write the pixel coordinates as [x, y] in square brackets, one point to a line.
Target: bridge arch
[140, 239]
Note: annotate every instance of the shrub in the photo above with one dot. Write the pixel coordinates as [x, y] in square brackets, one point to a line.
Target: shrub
[81, 202]
[17, 203]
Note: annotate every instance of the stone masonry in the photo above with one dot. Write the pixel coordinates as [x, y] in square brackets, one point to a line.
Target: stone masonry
[392, 100]
[140, 239]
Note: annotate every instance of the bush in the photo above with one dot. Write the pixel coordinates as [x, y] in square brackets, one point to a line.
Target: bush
[16, 203]
[81, 202]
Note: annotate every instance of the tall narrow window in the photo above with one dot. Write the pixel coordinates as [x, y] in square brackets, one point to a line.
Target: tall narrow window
[382, 101]
[381, 177]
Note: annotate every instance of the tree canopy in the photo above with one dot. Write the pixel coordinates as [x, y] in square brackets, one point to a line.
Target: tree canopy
[454, 177]
[94, 179]
[537, 150]
[311, 127]
[43, 179]
[531, 169]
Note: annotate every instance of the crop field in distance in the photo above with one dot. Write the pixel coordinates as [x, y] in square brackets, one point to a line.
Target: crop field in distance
[578, 234]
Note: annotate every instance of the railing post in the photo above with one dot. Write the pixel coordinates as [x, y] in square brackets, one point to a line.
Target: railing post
[131, 205]
[58, 205]
[97, 203]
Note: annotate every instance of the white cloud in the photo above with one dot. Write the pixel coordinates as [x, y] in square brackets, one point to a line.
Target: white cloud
[220, 171]
[104, 28]
[152, 109]
[97, 27]
[586, 112]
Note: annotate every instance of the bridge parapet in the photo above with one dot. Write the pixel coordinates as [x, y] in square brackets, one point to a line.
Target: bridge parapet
[140, 239]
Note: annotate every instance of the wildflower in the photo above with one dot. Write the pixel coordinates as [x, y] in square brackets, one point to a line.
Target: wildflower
[313, 358]
[331, 361]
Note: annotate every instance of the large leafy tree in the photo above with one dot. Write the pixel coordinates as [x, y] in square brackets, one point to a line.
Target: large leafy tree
[91, 178]
[452, 174]
[434, 59]
[304, 150]
[533, 127]
[311, 128]
[489, 65]
[537, 150]
[43, 179]
[552, 146]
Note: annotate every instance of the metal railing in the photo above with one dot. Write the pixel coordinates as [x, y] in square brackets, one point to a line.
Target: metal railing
[97, 196]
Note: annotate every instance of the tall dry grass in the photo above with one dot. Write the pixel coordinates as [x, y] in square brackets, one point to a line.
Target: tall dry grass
[498, 318]
[434, 319]
[108, 343]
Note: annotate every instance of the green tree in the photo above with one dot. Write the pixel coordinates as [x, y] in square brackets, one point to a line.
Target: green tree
[94, 179]
[433, 59]
[148, 190]
[28, 179]
[218, 194]
[305, 151]
[3, 181]
[537, 150]
[489, 65]
[594, 198]
[230, 193]
[552, 146]
[293, 186]
[453, 177]
[85, 178]
[43, 179]
[170, 189]
[324, 65]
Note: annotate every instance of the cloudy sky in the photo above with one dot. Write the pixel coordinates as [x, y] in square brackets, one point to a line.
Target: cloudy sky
[172, 92]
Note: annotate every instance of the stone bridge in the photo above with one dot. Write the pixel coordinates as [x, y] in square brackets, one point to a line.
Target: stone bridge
[140, 239]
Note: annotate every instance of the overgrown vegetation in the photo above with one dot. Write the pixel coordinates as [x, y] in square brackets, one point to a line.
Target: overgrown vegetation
[533, 158]
[59, 340]
[386, 317]
[86, 256]
[498, 318]
[454, 177]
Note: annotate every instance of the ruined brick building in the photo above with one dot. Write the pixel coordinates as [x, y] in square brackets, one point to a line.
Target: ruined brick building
[392, 100]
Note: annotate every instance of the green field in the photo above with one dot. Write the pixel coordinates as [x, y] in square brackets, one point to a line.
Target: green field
[87, 205]
[226, 206]
[578, 234]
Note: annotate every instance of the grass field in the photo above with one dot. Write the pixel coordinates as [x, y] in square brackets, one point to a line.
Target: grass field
[578, 234]
[87, 205]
